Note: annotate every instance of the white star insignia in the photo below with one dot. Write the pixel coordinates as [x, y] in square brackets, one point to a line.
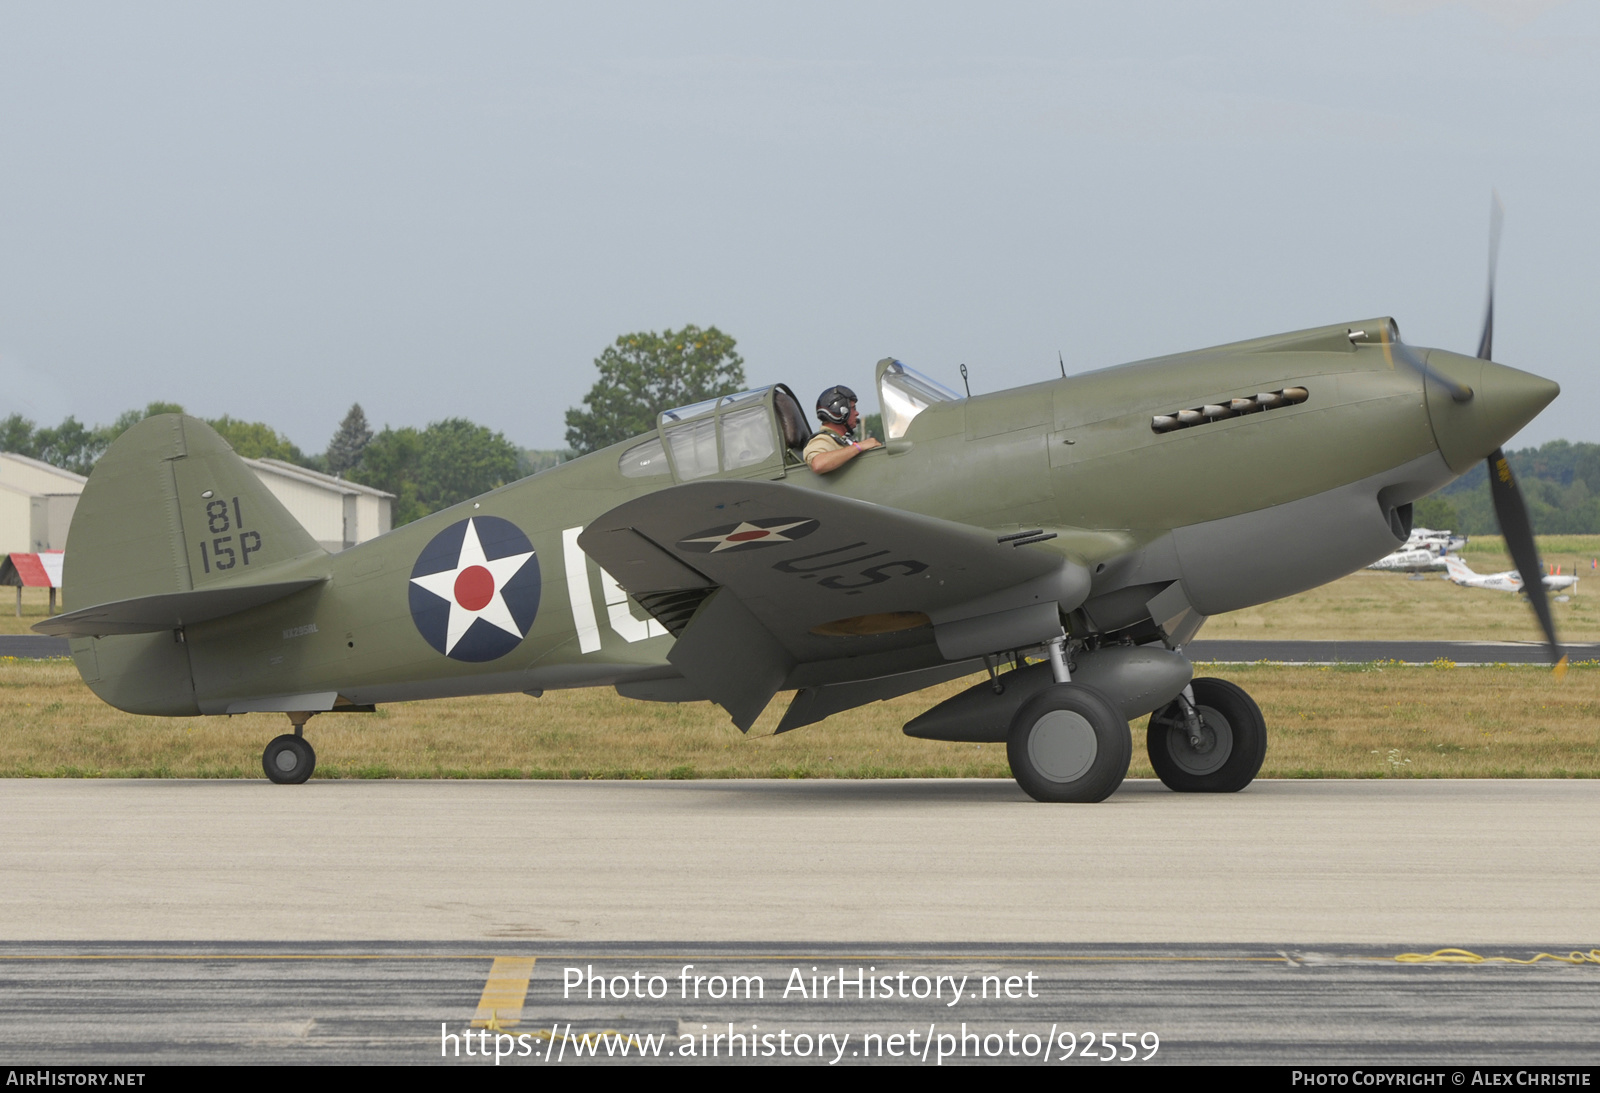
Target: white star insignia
[749, 533]
[480, 590]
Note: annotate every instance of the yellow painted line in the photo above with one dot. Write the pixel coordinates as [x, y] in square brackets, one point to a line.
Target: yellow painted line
[500, 1006]
[926, 958]
[1463, 956]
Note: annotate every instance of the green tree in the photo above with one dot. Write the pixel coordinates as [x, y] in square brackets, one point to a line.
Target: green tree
[256, 440]
[16, 435]
[71, 444]
[461, 460]
[1436, 513]
[68, 445]
[1557, 481]
[392, 461]
[344, 450]
[430, 469]
[646, 373]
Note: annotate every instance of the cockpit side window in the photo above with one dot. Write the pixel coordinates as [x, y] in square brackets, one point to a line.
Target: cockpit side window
[644, 460]
[746, 438]
[694, 448]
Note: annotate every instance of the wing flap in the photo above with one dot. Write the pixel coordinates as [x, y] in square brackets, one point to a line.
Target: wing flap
[817, 703]
[732, 658]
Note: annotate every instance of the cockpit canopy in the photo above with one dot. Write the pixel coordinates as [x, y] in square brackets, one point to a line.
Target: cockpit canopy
[761, 432]
[746, 433]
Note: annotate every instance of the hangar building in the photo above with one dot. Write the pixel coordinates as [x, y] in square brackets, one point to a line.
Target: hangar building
[37, 502]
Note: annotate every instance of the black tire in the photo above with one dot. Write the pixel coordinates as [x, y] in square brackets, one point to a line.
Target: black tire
[1235, 741]
[1069, 743]
[289, 760]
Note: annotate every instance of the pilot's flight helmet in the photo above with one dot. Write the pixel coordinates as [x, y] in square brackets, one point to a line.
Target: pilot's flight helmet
[833, 405]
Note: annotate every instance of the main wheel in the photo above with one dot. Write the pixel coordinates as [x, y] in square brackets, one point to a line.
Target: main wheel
[289, 760]
[1069, 743]
[1232, 747]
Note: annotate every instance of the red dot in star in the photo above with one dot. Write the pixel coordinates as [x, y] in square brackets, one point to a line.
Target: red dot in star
[474, 588]
[746, 536]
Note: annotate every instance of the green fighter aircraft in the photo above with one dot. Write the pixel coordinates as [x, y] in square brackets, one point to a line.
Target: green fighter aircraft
[1077, 531]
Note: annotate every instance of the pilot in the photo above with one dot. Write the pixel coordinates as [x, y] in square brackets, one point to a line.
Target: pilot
[833, 447]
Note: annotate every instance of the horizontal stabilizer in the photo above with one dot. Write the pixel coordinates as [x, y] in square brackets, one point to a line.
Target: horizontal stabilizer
[169, 610]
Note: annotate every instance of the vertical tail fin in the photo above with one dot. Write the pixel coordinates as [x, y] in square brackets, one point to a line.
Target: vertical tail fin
[171, 508]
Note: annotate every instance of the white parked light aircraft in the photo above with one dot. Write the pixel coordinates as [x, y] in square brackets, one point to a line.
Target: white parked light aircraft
[1440, 542]
[1409, 560]
[1424, 550]
[1460, 573]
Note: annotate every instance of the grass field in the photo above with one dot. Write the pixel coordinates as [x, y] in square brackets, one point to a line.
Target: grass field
[1357, 721]
[35, 604]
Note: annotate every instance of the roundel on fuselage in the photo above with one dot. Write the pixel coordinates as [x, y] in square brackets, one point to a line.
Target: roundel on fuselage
[475, 589]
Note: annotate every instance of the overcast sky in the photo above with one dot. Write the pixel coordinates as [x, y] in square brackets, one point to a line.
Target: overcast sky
[275, 210]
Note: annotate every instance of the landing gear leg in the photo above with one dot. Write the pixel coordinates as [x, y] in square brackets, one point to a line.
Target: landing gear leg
[1212, 742]
[289, 759]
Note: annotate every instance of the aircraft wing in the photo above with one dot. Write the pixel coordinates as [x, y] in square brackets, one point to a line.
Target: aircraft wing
[767, 584]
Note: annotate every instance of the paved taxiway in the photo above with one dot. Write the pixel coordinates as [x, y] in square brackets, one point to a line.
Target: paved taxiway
[151, 921]
[1393, 862]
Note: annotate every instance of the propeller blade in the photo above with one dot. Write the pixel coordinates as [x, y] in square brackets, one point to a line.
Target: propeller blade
[1509, 507]
[1512, 512]
[1497, 214]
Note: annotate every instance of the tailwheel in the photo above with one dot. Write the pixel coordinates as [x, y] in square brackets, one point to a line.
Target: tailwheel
[289, 760]
[1219, 750]
[1069, 743]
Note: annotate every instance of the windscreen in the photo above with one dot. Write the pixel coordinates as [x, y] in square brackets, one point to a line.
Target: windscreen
[903, 393]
